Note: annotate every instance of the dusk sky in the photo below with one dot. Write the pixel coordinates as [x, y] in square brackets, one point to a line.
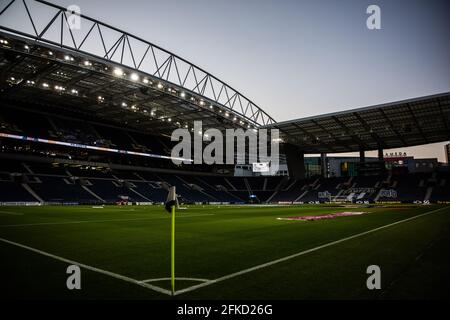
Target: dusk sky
[300, 58]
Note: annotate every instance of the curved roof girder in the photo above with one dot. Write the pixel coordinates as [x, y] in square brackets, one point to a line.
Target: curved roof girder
[106, 42]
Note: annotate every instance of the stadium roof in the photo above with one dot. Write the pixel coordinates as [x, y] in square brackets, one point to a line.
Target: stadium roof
[392, 125]
[108, 72]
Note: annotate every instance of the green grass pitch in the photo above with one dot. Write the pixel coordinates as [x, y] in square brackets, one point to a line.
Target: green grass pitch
[224, 252]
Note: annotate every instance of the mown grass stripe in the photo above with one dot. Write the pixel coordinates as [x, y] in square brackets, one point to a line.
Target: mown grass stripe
[96, 221]
[295, 255]
[88, 267]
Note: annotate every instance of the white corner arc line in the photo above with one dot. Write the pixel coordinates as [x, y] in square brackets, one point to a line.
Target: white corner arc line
[176, 278]
[88, 267]
[295, 255]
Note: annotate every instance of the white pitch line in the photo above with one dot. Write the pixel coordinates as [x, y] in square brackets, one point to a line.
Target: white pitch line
[94, 221]
[176, 278]
[12, 213]
[267, 264]
[88, 267]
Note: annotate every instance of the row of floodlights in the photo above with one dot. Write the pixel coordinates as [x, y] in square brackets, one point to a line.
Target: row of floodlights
[101, 99]
[152, 113]
[135, 78]
[62, 89]
[45, 85]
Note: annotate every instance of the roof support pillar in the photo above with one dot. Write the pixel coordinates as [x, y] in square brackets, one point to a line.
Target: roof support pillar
[323, 164]
[362, 156]
[295, 159]
[380, 154]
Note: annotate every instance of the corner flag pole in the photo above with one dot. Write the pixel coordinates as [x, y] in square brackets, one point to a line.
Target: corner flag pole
[170, 204]
[172, 252]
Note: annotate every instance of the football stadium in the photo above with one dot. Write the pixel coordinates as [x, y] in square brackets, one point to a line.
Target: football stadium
[86, 120]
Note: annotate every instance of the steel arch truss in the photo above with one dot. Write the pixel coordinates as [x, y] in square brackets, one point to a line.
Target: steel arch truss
[52, 24]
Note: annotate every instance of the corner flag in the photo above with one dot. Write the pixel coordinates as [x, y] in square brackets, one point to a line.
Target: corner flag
[170, 207]
[171, 199]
